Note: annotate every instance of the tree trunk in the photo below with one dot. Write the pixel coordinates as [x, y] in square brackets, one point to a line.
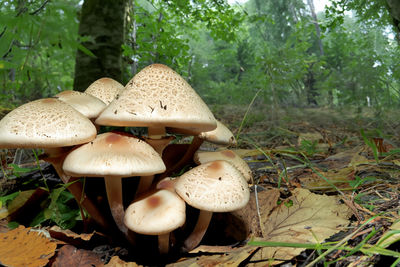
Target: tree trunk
[104, 22]
[317, 29]
[393, 7]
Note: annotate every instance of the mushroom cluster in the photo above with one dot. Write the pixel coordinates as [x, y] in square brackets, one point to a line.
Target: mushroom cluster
[66, 127]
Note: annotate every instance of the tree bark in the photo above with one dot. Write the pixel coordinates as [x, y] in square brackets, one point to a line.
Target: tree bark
[104, 22]
[393, 6]
[317, 28]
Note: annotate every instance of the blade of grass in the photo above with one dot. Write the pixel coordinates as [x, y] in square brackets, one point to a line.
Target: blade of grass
[246, 113]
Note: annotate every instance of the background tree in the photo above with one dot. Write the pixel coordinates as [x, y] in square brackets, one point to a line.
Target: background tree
[103, 23]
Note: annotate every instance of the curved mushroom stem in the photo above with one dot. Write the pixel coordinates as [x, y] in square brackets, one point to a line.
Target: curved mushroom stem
[145, 183]
[193, 240]
[194, 146]
[159, 145]
[163, 243]
[76, 189]
[114, 196]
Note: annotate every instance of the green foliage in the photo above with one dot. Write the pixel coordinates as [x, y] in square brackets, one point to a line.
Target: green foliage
[59, 208]
[227, 53]
[38, 42]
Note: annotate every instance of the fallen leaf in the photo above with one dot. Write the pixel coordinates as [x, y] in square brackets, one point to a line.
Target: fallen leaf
[253, 214]
[310, 219]
[23, 247]
[71, 256]
[117, 262]
[312, 137]
[233, 258]
[69, 237]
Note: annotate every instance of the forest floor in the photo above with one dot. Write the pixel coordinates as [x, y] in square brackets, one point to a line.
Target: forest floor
[325, 190]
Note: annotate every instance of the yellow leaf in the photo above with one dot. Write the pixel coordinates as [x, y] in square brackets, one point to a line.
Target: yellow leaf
[311, 219]
[25, 248]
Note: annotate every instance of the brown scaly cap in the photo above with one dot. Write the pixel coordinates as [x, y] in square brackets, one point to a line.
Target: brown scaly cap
[86, 104]
[158, 97]
[45, 123]
[105, 89]
[214, 186]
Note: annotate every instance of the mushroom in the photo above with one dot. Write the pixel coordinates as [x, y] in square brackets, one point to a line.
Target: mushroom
[114, 156]
[86, 104]
[201, 157]
[157, 97]
[211, 187]
[157, 214]
[54, 126]
[105, 89]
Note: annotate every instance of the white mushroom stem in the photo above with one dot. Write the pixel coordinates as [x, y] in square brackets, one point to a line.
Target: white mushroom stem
[194, 239]
[156, 133]
[145, 183]
[159, 145]
[114, 196]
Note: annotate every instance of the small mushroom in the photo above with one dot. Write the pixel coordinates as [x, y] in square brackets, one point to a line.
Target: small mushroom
[105, 89]
[86, 104]
[114, 156]
[157, 214]
[211, 187]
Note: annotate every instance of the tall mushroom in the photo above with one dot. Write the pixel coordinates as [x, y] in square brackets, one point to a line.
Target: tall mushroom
[211, 187]
[114, 156]
[52, 125]
[157, 97]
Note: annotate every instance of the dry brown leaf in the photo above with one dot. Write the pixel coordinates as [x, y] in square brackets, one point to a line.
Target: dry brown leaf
[22, 247]
[117, 262]
[311, 219]
[267, 200]
[233, 258]
[71, 256]
[69, 233]
[66, 236]
[312, 137]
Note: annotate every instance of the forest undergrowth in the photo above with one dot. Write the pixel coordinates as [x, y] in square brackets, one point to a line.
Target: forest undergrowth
[344, 161]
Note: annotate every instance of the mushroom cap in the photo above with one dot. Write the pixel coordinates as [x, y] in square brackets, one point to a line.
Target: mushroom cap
[157, 214]
[45, 123]
[201, 157]
[158, 97]
[220, 135]
[105, 89]
[112, 154]
[214, 186]
[86, 104]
